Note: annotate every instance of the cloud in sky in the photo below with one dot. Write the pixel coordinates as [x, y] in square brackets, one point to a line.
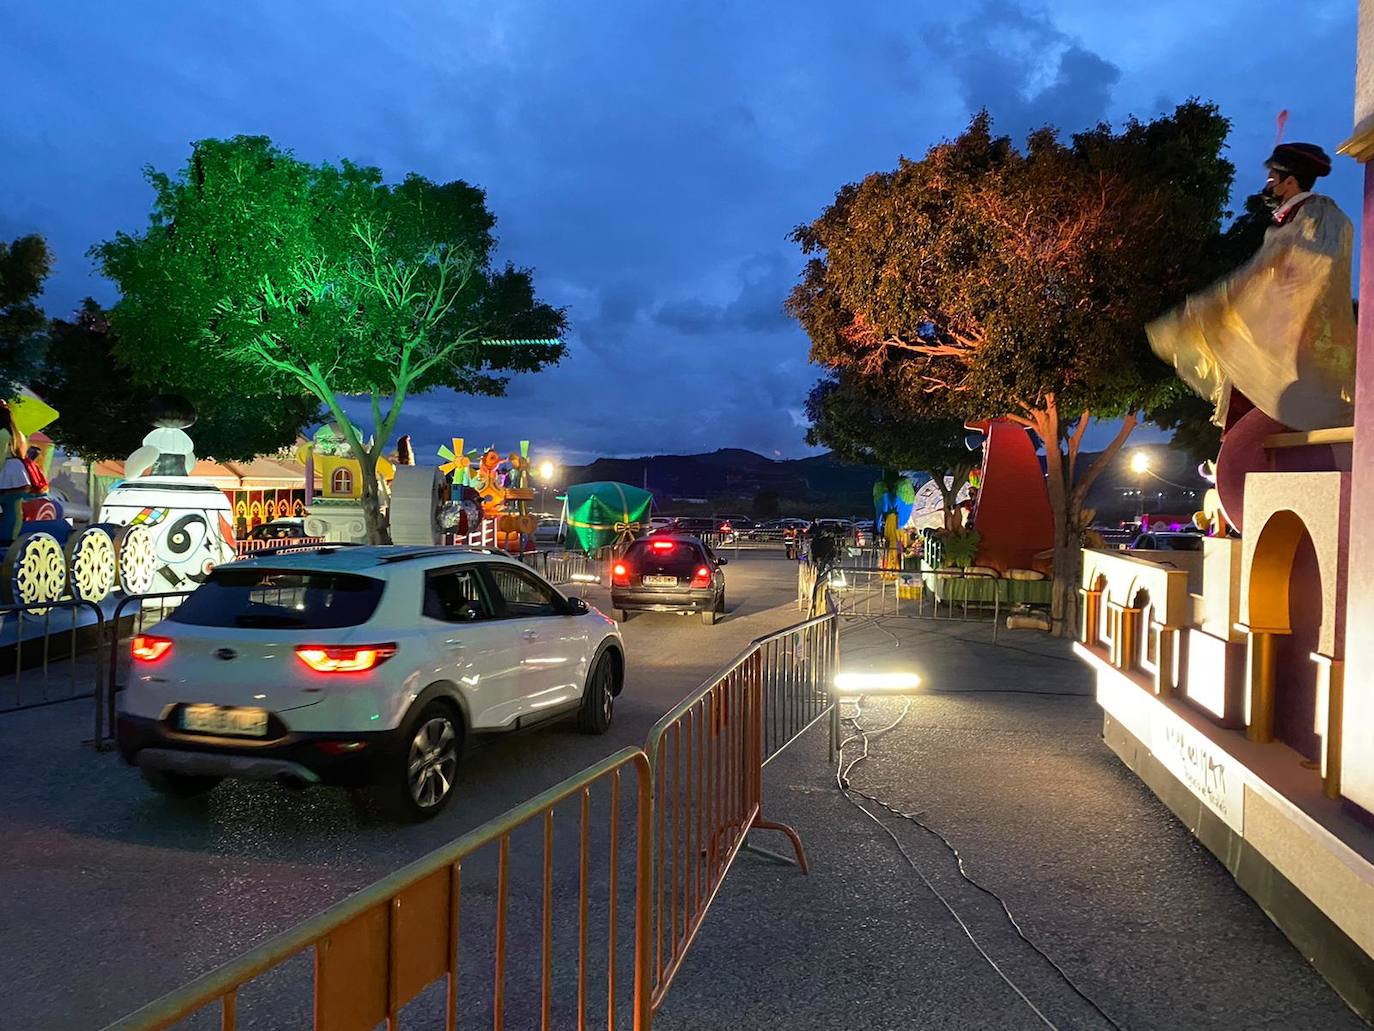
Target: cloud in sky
[648, 161]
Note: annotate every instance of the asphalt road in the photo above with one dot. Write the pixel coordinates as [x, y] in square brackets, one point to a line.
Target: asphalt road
[1003, 756]
[114, 895]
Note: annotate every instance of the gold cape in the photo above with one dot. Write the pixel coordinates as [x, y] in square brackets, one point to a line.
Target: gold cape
[1280, 329]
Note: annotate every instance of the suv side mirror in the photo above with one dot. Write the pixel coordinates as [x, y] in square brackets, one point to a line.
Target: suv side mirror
[576, 607]
[722, 561]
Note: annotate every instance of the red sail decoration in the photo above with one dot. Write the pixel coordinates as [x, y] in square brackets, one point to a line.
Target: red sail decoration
[1012, 514]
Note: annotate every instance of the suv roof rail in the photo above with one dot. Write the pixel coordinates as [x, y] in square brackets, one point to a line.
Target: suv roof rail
[435, 551]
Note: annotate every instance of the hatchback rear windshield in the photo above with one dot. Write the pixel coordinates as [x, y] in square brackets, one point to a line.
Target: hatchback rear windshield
[280, 600]
[661, 549]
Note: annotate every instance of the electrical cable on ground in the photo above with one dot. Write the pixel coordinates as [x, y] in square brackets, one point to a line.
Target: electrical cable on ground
[842, 775]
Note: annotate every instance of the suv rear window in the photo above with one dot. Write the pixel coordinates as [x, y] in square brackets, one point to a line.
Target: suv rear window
[278, 599]
[664, 550]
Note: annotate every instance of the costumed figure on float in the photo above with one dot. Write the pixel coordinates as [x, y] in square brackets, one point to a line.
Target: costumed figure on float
[1272, 345]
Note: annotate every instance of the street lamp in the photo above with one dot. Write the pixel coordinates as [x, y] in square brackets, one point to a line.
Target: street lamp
[546, 471]
[1140, 465]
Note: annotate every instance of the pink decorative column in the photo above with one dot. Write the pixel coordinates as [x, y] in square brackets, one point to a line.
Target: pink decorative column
[1357, 765]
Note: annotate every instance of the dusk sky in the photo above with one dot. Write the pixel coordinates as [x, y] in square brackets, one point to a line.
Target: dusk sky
[647, 160]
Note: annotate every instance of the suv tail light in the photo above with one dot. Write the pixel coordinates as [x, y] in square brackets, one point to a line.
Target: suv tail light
[620, 575]
[148, 648]
[702, 577]
[353, 658]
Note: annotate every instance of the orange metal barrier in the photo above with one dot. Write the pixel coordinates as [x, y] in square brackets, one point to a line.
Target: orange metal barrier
[707, 758]
[379, 949]
[698, 793]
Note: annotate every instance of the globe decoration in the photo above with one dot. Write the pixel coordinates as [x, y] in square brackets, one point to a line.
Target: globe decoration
[136, 564]
[90, 557]
[35, 572]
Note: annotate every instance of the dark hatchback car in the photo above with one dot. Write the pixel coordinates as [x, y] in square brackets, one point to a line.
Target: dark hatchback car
[668, 573]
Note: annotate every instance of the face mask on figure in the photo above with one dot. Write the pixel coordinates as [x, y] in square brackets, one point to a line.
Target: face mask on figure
[1294, 168]
[1278, 188]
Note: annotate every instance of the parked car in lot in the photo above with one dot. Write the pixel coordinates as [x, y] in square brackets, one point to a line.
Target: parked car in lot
[360, 666]
[549, 531]
[278, 530]
[668, 573]
[833, 527]
[695, 525]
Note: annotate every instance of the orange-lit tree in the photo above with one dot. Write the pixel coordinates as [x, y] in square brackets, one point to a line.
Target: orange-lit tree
[989, 281]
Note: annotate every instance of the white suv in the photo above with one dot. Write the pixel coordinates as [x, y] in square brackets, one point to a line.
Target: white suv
[360, 665]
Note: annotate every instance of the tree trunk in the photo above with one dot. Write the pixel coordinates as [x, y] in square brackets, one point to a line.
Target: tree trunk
[1068, 559]
[378, 530]
[1068, 492]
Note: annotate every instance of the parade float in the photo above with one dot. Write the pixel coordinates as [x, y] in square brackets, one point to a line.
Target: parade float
[605, 514]
[335, 513]
[505, 491]
[1001, 553]
[1237, 682]
[894, 498]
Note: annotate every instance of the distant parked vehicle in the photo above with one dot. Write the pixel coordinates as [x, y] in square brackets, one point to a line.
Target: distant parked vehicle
[694, 525]
[278, 530]
[549, 531]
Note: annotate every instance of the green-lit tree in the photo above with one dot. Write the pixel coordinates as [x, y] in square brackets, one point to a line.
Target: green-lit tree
[24, 265]
[321, 280]
[1002, 282]
[873, 422]
[105, 411]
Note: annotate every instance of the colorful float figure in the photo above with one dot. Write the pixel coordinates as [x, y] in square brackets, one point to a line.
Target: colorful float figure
[188, 519]
[504, 489]
[894, 498]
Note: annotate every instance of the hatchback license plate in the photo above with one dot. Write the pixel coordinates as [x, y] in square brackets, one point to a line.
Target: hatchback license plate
[217, 719]
[660, 581]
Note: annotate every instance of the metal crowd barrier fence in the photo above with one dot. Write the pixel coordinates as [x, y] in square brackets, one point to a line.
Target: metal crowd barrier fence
[132, 615]
[55, 656]
[876, 593]
[707, 756]
[277, 546]
[380, 949]
[698, 793]
[567, 567]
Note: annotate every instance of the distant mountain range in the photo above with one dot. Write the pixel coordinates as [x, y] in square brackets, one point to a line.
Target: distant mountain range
[727, 481]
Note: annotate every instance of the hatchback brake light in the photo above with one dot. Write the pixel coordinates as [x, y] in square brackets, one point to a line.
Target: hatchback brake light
[702, 577]
[620, 575]
[148, 648]
[329, 658]
[663, 545]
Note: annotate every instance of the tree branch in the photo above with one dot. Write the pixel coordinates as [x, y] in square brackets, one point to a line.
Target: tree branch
[1128, 424]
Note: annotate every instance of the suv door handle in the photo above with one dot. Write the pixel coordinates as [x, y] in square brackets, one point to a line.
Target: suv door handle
[529, 633]
[454, 644]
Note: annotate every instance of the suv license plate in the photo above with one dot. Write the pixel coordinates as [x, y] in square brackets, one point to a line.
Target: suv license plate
[217, 719]
[660, 581]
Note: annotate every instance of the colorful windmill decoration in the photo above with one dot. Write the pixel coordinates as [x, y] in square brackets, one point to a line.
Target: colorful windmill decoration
[457, 464]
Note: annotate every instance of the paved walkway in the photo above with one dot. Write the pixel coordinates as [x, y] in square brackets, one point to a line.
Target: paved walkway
[1004, 758]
